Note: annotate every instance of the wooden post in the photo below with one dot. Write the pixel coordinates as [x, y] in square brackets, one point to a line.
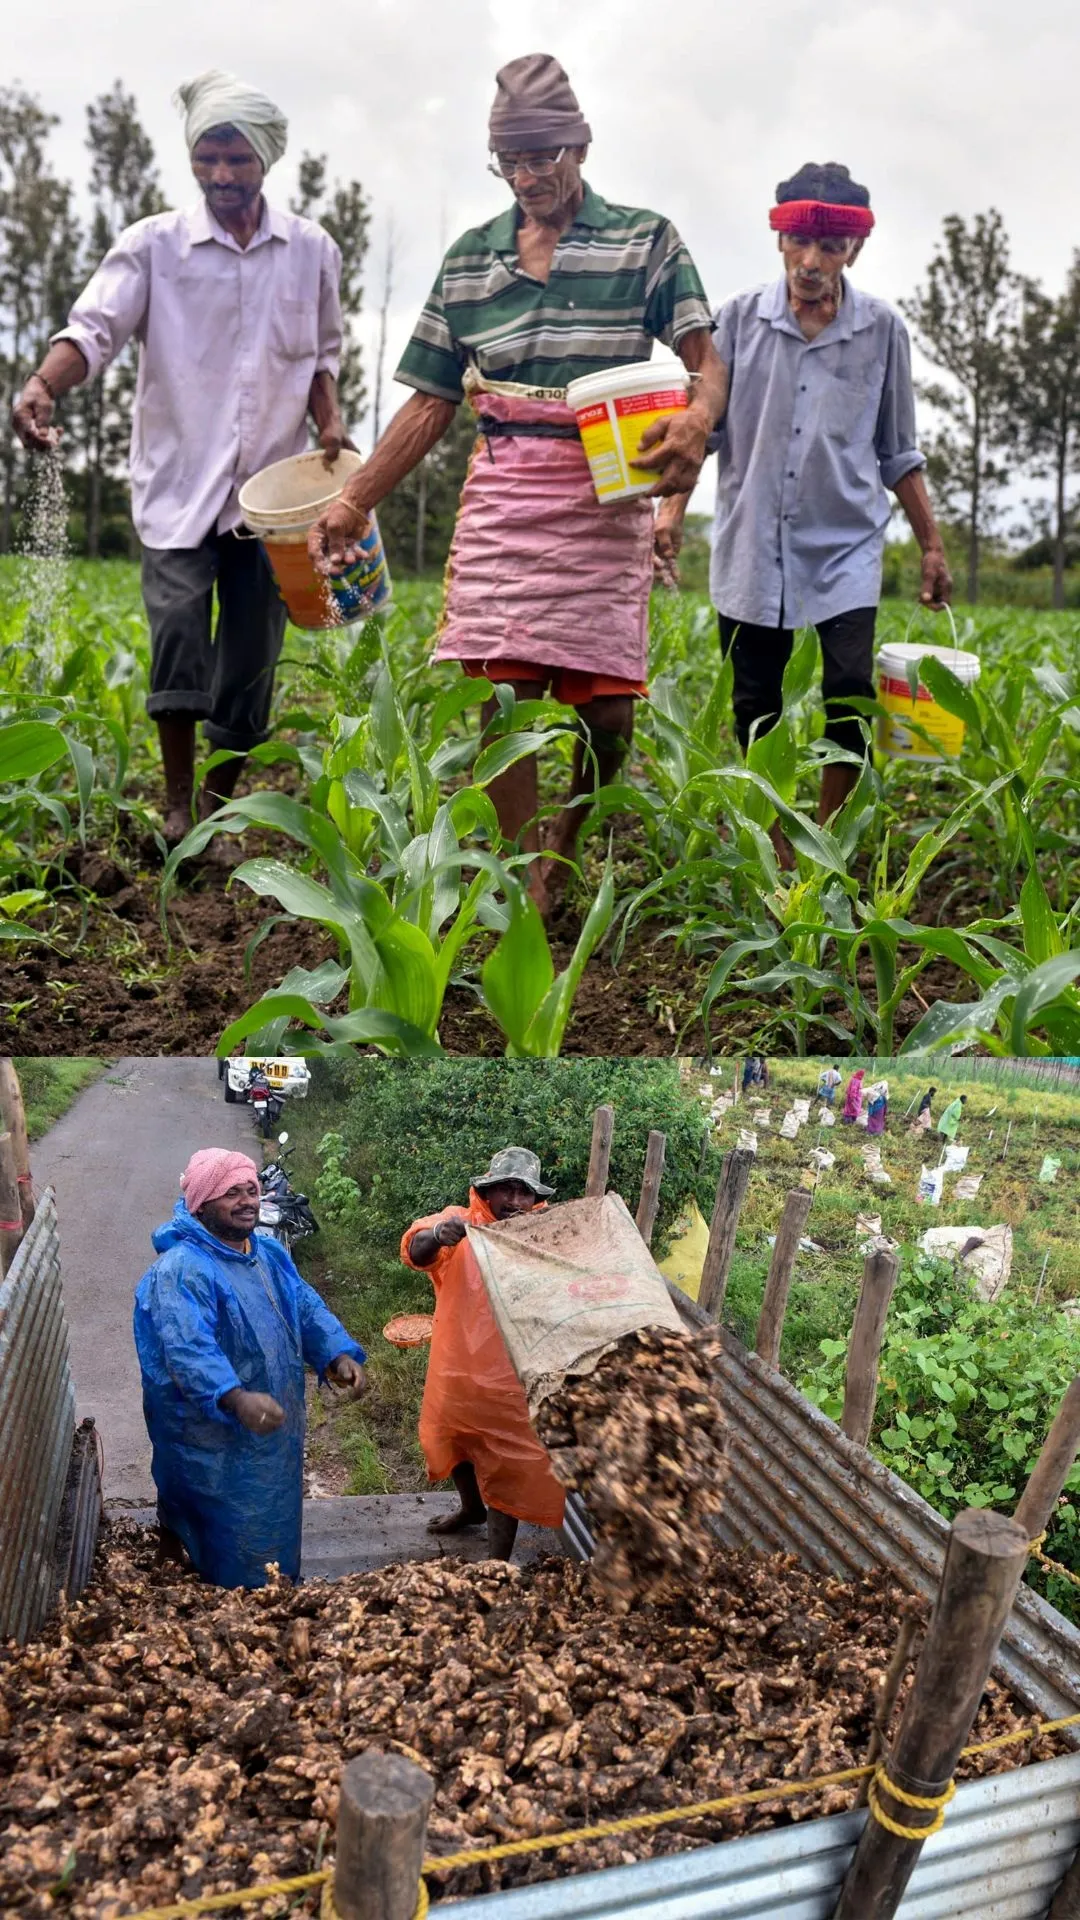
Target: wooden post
[864, 1348]
[1053, 1466]
[730, 1194]
[774, 1305]
[984, 1564]
[381, 1832]
[650, 1185]
[600, 1153]
[886, 1700]
[11, 1226]
[13, 1114]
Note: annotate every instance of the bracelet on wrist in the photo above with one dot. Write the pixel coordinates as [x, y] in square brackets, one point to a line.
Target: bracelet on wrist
[49, 388]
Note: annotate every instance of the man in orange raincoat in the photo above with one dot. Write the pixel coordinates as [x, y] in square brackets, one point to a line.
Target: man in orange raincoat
[474, 1423]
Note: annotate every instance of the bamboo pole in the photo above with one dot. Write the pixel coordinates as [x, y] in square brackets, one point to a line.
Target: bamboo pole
[600, 1153]
[770, 1325]
[886, 1700]
[1053, 1466]
[381, 1832]
[650, 1185]
[13, 1114]
[730, 1194]
[11, 1226]
[864, 1348]
[984, 1565]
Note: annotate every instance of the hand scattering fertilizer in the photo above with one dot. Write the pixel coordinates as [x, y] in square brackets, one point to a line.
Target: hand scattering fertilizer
[613, 411]
[281, 504]
[621, 1395]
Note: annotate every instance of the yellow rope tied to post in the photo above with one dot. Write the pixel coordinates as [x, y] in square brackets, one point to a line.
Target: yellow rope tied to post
[1052, 1566]
[935, 1804]
[328, 1910]
[541, 1842]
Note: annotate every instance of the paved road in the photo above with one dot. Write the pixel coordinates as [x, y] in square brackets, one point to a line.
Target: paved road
[115, 1161]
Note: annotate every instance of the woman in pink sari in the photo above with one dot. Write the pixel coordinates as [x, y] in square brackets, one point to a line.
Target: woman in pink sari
[853, 1097]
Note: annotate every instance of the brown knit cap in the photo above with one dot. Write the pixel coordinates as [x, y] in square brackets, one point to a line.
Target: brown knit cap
[535, 106]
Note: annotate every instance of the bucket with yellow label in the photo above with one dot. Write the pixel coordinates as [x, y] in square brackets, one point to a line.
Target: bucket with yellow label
[919, 729]
[613, 411]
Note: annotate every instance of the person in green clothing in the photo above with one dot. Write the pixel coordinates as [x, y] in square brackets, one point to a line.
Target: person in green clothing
[949, 1124]
[546, 588]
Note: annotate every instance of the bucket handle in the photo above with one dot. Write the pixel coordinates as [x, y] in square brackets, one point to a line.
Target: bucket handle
[919, 611]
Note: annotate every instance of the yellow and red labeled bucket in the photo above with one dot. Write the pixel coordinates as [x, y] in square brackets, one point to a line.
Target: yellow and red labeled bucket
[614, 409]
[281, 504]
[896, 733]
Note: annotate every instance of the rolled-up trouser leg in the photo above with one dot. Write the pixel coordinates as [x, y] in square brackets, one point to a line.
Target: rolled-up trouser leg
[847, 652]
[178, 592]
[247, 645]
[758, 657]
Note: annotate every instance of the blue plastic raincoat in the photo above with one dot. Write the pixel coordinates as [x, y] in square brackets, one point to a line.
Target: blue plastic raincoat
[210, 1317]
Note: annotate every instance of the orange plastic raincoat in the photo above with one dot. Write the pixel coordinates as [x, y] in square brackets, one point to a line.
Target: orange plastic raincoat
[474, 1404]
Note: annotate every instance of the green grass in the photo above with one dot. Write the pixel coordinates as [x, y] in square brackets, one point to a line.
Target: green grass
[49, 1086]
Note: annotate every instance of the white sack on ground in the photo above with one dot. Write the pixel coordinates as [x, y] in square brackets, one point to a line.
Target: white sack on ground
[566, 1284]
[985, 1252]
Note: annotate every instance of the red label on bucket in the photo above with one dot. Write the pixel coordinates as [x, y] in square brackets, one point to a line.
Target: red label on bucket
[901, 689]
[589, 416]
[651, 402]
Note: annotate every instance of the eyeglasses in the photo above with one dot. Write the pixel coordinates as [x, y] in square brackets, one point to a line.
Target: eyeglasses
[541, 166]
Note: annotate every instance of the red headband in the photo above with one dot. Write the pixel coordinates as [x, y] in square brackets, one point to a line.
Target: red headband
[821, 217]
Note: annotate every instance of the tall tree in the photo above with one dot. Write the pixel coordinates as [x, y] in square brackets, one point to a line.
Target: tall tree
[125, 188]
[345, 212]
[389, 259]
[1045, 407]
[39, 241]
[964, 320]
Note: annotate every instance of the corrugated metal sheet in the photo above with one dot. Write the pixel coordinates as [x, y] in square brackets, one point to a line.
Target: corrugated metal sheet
[37, 1423]
[80, 1516]
[1002, 1853]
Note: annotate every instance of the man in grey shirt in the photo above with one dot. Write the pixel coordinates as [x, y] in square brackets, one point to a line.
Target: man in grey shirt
[820, 422]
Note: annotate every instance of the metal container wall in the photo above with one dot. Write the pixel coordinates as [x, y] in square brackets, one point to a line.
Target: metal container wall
[1002, 1853]
[37, 1424]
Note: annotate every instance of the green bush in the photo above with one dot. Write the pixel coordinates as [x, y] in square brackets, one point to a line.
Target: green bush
[408, 1136]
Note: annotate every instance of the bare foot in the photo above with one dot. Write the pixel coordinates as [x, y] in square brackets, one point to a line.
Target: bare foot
[178, 824]
[457, 1522]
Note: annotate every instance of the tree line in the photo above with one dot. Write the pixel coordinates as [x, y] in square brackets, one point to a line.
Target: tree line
[1005, 353]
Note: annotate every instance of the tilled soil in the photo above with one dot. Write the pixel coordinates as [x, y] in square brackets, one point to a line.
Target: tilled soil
[642, 1439]
[168, 1739]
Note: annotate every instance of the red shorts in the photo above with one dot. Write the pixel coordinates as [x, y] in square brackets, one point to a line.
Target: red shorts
[573, 689]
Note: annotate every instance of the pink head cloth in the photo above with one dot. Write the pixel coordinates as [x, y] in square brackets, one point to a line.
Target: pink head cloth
[211, 1172]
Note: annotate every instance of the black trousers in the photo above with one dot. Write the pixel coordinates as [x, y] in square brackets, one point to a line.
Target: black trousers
[223, 676]
[760, 654]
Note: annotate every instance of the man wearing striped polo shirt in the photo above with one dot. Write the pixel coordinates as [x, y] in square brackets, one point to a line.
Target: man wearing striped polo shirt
[546, 588]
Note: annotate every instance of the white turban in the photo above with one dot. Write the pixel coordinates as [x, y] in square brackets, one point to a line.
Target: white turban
[216, 99]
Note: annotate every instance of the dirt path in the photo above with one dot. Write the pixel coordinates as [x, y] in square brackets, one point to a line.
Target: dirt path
[115, 1161]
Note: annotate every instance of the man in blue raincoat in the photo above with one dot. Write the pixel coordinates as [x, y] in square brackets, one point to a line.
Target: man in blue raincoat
[224, 1327]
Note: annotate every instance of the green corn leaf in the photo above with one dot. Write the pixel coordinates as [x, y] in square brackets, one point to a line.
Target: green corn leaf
[515, 977]
[82, 761]
[546, 1029]
[1049, 981]
[465, 692]
[506, 752]
[801, 670]
[1042, 938]
[943, 686]
[27, 748]
[368, 1026]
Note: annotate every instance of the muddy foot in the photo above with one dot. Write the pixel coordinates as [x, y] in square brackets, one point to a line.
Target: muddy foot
[459, 1521]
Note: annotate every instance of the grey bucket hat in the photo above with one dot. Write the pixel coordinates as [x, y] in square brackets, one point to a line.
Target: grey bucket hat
[515, 1163]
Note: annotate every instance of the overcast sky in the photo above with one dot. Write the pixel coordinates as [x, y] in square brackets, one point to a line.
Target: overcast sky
[697, 109]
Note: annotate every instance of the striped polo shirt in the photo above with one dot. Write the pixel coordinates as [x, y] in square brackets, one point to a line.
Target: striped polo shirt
[620, 278]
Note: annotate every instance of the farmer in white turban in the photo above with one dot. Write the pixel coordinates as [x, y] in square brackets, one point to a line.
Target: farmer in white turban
[235, 307]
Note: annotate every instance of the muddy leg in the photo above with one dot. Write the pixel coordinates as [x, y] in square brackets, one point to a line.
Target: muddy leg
[610, 723]
[472, 1512]
[176, 732]
[502, 1532]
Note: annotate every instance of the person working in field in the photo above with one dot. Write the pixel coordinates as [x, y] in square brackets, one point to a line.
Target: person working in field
[819, 427]
[224, 1328]
[474, 1422]
[546, 587]
[949, 1124]
[235, 306]
[923, 1119]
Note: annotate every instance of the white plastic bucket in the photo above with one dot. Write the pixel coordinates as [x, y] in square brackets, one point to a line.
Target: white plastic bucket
[613, 411]
[281, 504]
[945, 730]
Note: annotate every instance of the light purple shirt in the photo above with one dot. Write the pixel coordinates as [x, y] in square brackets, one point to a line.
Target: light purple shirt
[815, 432]
[230, 339]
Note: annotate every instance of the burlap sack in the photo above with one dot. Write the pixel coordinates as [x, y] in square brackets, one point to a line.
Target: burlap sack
[566, 1284]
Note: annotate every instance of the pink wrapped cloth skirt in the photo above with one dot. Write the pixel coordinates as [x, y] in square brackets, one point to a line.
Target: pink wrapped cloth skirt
[539, 572]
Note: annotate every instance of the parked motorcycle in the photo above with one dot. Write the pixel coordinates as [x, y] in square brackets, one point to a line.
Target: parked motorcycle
[266, 1102]
[282, 1211]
